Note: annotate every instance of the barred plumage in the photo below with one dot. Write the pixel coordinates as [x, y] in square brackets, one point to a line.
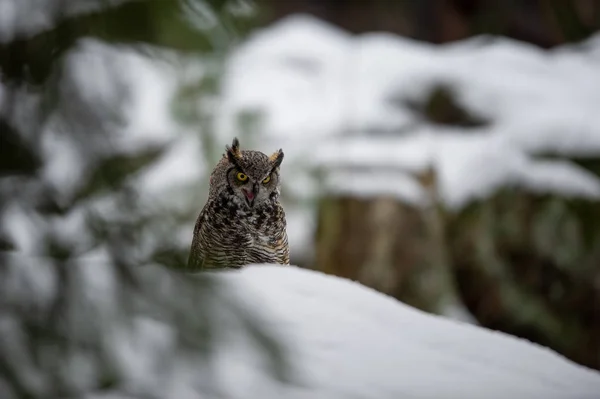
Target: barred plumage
[242, 222]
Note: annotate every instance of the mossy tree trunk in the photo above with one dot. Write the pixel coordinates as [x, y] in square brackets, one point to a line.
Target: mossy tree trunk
[379, 242]
[529, 265]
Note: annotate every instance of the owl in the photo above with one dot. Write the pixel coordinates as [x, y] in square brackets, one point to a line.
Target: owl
[242, 221]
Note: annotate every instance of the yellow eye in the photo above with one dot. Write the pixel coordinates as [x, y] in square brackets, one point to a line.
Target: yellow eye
[242, 177]
[267, 179]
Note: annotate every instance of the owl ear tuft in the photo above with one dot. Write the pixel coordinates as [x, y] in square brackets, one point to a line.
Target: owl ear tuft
[276, 158]
[233, 152]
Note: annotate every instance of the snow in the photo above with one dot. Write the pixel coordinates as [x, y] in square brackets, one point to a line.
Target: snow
[25, 231]
[146, 86]
[141, 87]
[324, 93]
[22, 18]
[349, 341]
[336, 339]
[368, 184]
[293, 70]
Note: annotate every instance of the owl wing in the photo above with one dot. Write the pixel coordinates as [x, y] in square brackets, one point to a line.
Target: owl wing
[286, 249]
[196, 258]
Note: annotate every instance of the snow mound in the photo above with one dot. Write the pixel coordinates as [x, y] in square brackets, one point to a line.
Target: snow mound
[349, 341]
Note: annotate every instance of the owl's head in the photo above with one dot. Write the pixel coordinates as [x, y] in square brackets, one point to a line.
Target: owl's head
[252, 175]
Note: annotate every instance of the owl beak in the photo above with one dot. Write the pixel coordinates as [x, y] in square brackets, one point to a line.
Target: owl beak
[250, 195]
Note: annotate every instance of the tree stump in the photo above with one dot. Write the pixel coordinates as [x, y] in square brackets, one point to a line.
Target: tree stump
[389, 245]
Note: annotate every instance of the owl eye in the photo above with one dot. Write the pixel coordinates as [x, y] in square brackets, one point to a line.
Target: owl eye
[242, 177]
[267, 179]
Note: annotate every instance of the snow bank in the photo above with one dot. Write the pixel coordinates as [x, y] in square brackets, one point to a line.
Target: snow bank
[349, 341]
[337, 339]
[322, 91]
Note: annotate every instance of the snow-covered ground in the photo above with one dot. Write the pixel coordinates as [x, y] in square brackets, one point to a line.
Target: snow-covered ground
[319, 337]
[349, 341]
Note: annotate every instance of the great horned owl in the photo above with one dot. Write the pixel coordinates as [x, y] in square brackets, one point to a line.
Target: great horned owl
[242, 222]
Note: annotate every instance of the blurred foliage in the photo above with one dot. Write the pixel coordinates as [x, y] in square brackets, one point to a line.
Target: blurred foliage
[589, 163]
[16, 158]
[134, 22]
[111, 173]
[93, 270]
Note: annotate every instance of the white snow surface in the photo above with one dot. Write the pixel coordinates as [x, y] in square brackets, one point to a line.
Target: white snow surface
[349, 341]
[322, 91]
